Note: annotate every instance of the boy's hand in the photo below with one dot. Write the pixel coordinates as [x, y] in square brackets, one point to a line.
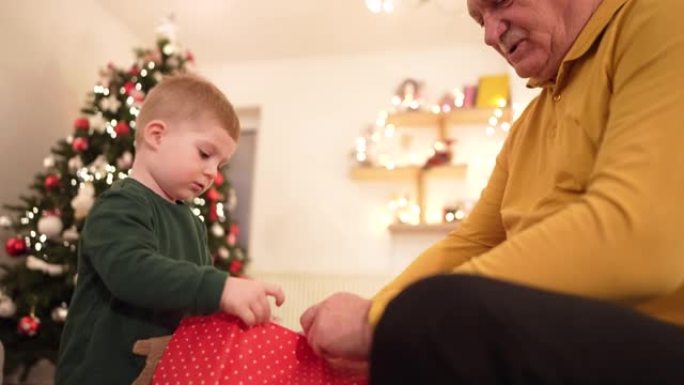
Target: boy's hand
[247, 299]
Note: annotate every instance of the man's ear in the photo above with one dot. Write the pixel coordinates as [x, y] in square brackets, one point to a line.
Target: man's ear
[153, 133]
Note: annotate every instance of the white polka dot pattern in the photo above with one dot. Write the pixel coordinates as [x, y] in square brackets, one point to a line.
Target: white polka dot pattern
[219, 350]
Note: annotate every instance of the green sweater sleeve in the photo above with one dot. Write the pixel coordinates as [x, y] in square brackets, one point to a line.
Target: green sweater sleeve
[120, 245]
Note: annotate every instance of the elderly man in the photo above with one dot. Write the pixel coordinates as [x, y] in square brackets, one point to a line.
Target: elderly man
[570, 268]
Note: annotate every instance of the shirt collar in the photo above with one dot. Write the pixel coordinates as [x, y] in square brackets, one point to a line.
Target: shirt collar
[598, 21]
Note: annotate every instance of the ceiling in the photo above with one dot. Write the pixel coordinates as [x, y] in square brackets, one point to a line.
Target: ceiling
[240, 30]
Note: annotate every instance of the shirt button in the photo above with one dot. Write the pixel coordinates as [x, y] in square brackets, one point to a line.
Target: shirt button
[556, 97]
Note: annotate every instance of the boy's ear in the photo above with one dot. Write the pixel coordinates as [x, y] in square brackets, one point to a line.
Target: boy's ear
[153, 132]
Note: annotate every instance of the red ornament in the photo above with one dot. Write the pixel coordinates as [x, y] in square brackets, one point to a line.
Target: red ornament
[15, 246]
[213, 214]
[235, 266]
[80, 144]
[218, 181]
[231, 239]
[134, 71]
[235, 229]
[213, 195]
[129, 87]
[28, 325]
[138, 96]
[52, 182]
[82, 124]
[122, 129]
[189, 56]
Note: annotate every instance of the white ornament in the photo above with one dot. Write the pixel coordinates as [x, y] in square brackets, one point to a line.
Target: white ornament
[50, 225]
[83, 201]
[97, 123]
[59, 313]
[99, 165]
[7, 307]
[5, 222]
[75, 163]
[217, 230]
[49, 162]
[125, 161]
[232, 200]
[110, 103]
[223, 253]
[167, 29]
[34, 263]
[70, 234]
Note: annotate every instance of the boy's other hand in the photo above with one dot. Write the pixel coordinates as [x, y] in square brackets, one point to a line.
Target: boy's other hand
[248, 299]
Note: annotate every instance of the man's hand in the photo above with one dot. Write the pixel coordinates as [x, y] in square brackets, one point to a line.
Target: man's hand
[338, 328]
[247, 299]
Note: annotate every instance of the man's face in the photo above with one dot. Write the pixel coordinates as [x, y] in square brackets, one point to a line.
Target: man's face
[532, 35]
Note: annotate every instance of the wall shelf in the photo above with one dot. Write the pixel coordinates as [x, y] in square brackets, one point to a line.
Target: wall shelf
[440, 122]
[407, 173]
[401, 228]
[461, 116]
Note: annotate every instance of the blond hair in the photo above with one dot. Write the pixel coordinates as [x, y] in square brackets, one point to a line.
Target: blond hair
[183, 97]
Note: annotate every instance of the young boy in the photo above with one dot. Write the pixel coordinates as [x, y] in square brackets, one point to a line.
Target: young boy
[144, 260]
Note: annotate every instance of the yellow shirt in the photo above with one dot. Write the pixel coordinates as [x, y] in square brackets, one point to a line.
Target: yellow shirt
[587, 195]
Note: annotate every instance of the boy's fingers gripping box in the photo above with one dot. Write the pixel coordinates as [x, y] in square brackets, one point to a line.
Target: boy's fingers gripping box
[218, 350]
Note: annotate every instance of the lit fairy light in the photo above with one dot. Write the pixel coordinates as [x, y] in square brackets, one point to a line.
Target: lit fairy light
[490, 131]
[196, 211]
[43, 238]
[130, 100]
[505, 126]
[143, 72]
[498, 113]
[38, 246]
[404, 210]
[168, 49]
[389, 131]
[24, 221]
[33, 234]
[134, 110]
[74, 182]
[110, 178]
[150, 65]
[493, 121]
[35, 210]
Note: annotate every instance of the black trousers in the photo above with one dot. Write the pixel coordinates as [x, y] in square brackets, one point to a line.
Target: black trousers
[459, 329]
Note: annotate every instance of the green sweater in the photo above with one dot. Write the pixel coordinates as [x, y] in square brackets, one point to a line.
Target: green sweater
[143, 264]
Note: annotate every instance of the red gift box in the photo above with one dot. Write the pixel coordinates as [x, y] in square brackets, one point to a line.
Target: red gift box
[219, 350]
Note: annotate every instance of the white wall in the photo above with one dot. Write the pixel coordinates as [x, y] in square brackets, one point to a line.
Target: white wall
[308, 215]
[51, 53]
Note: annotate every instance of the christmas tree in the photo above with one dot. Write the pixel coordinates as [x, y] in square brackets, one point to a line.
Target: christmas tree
[35, 290]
